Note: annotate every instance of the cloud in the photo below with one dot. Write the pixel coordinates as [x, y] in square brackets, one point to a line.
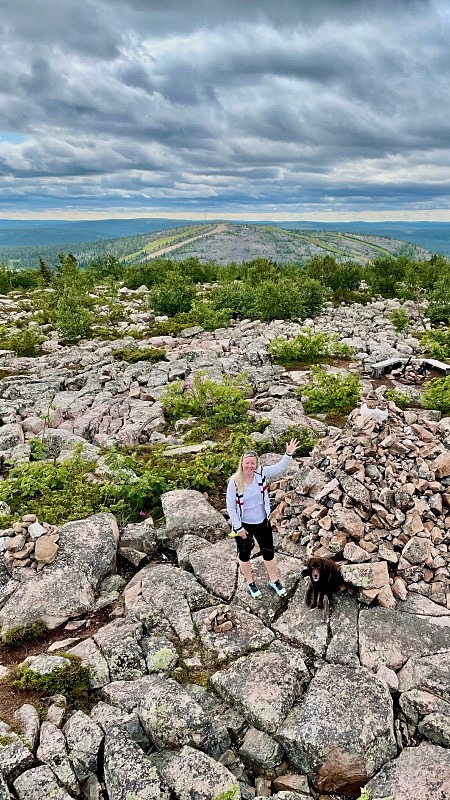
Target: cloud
[300, 105]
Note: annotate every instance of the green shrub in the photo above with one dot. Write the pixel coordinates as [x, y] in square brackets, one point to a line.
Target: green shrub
[277, 300]
[437, 343]
[306, 437]
[25, 342]
[173, 295]
[439, 302]
[308, 348]
[399, 398]
[134, 354]
[71, 680]
[24, 633]
[312, 295]
[399, 319]
[330, 392]
[239, 297]
[436, 394]
[73, 319]
[221, 403]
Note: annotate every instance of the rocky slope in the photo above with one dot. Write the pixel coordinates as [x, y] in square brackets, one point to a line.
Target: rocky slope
[196, 690]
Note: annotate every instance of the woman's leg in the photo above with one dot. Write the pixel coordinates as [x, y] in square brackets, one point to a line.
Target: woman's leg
[264, 537]
[244, 548]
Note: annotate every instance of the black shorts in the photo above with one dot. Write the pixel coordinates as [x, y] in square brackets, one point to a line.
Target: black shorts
[262, 532]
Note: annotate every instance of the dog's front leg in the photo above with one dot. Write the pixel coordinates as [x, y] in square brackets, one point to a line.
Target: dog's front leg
[309, 594]
[320, 603]
[315, 591]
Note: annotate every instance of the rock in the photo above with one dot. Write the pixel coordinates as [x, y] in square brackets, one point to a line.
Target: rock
[191, 774]
[436, 728]
[343, 647]
[390, 638]
[119, 644]
[262, 753]
[303, 627]
[216, 567]
[264, 686]
[45, 550]
[430, 673]
[52, 751]
[291, 783]
[108, 717]
[92, 657]
[35, 784]
[416, 551]
[441, 465]
[248, 635]
[187, 511]
[28, 721]
[172, 719]
[15, 757]
[83, 738]
[128, 772]
[422, 773]
[160, 654]
[338, 750]
[355, 554]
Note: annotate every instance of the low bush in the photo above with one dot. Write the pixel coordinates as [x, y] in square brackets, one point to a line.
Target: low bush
[239, 297]
[399, 319]
[172, 296]
[437, 343]
[222, 403]
[308, 348]
[23, 633]
[134, 354]
[25, 342]
[436, 394]
[399, 398]
[71, 680]
[330, 392]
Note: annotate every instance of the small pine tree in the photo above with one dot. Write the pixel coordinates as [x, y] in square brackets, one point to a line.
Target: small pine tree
[45, 273]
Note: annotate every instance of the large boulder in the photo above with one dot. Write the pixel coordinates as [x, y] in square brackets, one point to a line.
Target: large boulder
[422, 773]
[388, 638]
[35, 784]
[343, 732]
[187, 511]
[430, 673]
[128, 772]
[192, 774]
[66, 588]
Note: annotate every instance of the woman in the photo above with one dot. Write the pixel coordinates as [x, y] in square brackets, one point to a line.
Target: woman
[248, 507]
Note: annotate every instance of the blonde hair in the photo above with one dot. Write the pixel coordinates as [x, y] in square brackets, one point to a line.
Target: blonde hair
[238, 476]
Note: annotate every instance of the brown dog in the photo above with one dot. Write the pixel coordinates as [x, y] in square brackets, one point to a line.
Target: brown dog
[324, 580]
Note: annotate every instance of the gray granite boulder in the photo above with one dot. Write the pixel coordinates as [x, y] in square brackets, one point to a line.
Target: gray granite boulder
[216, 567]
[422, 773]
[343, 646]
[91, 657]
[389, 637]
[108, 717]
[35, 784]
[192, 774]
[126, 695]
[171, 717]
[187, 511]
[83, 738]
[304, 627]
[91, 545]
[28, 721]
[259, 751]
[15, 757]
[264, 686]
[343, 731]
[52, 751]
[128, 773]
[119, 644]
[430, 673]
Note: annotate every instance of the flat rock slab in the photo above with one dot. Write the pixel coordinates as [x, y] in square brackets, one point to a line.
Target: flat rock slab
[390, 637]
[422, 773]
[342, 731]
[418, 604]
[269, 605]
[264, 686]
[215, 566]
[429, 673]
[192, 774]
[302, 626]
[128, 772]
[187, 511]
[251, 634]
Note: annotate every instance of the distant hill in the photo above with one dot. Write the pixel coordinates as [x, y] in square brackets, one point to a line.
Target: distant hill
[220, 242]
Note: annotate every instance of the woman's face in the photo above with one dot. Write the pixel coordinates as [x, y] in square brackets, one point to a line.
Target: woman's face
[249, 464]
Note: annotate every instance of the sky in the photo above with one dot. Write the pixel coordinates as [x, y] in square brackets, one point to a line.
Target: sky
[232, 109]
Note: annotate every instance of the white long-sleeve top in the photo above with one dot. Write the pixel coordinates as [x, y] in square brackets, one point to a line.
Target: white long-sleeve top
[236, 502]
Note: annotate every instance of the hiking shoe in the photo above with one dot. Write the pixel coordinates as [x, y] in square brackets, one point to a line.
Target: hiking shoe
[277, 587]
[254, 591]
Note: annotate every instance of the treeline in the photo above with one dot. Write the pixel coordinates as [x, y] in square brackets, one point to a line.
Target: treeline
[258, 289]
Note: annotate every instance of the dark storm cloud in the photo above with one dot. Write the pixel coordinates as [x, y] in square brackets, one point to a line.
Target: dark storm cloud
[288, 103]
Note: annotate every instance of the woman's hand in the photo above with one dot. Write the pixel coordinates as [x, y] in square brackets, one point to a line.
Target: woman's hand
[242, 533]
[291, 447]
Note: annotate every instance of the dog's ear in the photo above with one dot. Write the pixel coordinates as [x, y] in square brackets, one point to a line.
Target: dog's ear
[305, 572]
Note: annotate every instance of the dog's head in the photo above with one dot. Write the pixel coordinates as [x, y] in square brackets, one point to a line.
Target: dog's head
[316, 569]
